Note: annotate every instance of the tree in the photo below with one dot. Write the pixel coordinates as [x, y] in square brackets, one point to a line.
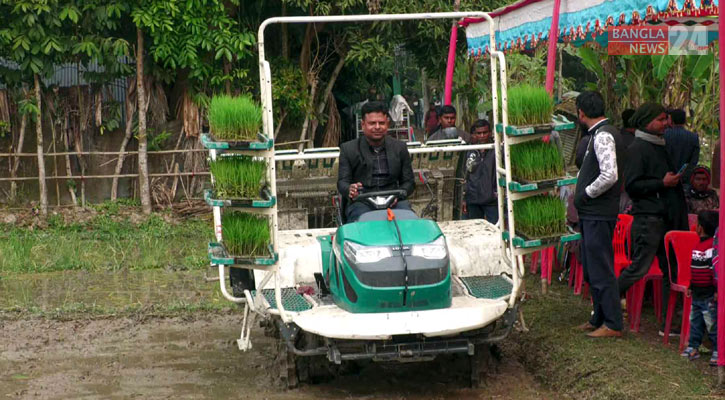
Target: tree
[33, 39]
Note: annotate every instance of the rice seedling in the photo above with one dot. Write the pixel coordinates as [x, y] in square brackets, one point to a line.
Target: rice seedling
[238, 177]
[529, 105]
[234, 118]
[536, 161]
[245, 234]
[540, 216]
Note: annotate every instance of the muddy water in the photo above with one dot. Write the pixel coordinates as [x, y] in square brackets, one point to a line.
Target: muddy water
[194, 356]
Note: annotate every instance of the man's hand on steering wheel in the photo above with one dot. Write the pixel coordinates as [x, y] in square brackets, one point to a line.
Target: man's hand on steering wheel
[355, 190]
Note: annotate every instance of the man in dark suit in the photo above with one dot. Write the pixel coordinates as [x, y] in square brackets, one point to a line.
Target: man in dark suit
[373, 162]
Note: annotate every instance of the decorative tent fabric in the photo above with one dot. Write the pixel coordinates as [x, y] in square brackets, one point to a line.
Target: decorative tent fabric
[526, 24]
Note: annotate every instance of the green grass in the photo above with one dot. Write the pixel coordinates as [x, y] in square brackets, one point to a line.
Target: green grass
[536, 161]
[563, 359]
[238, 177]
[234, 118]
[529, 105]
[105, 243]
[245, 234]
[540, 216]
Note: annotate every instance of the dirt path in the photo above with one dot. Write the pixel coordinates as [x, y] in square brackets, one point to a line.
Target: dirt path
[196, 357]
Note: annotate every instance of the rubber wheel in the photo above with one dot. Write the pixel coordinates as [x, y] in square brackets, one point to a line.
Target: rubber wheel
[241, 279]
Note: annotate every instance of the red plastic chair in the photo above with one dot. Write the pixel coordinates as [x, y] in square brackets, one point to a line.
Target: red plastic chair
[622, 243]
[692, 220]
[635, 296]
[683, 242]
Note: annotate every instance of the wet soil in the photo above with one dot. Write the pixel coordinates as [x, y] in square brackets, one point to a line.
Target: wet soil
[193, 355]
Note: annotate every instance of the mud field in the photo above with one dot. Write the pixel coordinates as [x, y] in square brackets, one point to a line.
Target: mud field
[196, 357]
[65, 354]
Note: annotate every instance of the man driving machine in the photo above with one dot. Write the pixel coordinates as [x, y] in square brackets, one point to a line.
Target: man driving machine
[374, 162]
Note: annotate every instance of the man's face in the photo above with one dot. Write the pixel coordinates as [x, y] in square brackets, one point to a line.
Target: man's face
[659, 124]
[448, 120]
[699, 182]
[375, 126]
[481, 135]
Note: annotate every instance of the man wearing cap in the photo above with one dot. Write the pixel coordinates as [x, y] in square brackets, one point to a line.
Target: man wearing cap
[699, 196]
[653, 183]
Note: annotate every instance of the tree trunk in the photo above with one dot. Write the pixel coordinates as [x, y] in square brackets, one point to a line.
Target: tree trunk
[68, 168]
[143, 169]
[130, 109]
[306, 124]
[41, 161]
[326, 95]
[285, 41]
[16, 159]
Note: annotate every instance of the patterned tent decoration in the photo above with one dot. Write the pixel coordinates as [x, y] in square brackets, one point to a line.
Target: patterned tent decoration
[526, 23]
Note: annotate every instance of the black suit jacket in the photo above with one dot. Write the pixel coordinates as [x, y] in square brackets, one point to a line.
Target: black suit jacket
[356, 166]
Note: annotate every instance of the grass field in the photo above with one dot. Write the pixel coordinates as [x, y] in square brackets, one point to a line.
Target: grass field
[107, 241]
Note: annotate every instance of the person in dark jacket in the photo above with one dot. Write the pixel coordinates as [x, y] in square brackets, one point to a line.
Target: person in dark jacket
[480, 200]
[627, 131]
[447, 126]
[373, 162]
[683, 146]
[651, 180]
[596, 198]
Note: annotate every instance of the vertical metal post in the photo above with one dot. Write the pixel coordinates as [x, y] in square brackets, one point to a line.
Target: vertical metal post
[553, 39]
[721, 239]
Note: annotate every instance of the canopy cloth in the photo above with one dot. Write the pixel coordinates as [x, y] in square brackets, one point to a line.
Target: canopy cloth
[527, 23]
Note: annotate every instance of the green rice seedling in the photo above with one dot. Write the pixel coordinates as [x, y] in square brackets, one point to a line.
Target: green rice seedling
[238, 177]
[536, 161]
[245, 234]
[234, 118]
[529, 105]
[540, 216]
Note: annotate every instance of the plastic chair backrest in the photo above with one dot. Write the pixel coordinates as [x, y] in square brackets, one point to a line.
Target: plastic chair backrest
[682, 242]
[692, 220]
[622, 240]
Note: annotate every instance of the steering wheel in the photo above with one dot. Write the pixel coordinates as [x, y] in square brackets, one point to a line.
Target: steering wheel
[382, 199]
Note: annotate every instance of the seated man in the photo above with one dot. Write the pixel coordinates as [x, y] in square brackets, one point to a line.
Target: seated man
[373, 162]
[700, 197]
[447, 126]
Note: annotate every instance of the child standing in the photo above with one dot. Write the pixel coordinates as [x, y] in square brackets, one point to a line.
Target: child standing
[703, 314]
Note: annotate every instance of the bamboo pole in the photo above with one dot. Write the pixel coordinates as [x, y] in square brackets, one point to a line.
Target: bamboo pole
[30, 178]
[102, 153]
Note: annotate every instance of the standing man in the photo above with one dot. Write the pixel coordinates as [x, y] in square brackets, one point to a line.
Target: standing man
[659, 206]
[373, 162]
[447, 126]
[480, 200]
[682, 145]
[597, 201]
[431, 120]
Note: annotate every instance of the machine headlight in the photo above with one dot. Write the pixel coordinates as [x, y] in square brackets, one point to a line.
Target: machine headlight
[360, 254]
[435, 250]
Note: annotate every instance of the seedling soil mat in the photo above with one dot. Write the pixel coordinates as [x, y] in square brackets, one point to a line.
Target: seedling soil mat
[559, 123]
[522, 185]
[264, 201]
[218, 255]
[211, 143]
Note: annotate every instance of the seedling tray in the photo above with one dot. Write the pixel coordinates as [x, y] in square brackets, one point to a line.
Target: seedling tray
[522, 185]
[558, 123]
[218, 255]
[266, 201]
[523, 241]
[262, 143]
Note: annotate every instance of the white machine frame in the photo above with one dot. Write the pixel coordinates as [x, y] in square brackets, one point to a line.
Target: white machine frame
[513, 257]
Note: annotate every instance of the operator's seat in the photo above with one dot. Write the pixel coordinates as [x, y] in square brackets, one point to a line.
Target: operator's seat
[382, 215]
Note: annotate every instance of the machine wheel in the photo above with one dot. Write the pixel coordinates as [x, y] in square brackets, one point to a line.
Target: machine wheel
[483, 362]
[241, 279]
[287, 365]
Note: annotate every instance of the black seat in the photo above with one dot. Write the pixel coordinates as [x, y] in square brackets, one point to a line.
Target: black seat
[382, 215]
